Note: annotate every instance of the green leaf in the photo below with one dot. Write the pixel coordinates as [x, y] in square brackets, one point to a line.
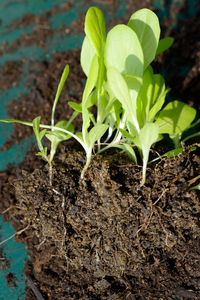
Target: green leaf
[96, 133]
[42, 133]
[175, 118]
[170, 153]
[157, 106]
[127, 134]
[147, 137]
[119, 86]
[59, 90]
[173, 152]
[95, 29]
[123, 51]
[90, 84]
[87, 55]
[145, 24]
[76, 106]
[57, 136]
[164, 44]
[36, 129]
[145, 97]
[17, 121]
[92, 99]
[43, 153]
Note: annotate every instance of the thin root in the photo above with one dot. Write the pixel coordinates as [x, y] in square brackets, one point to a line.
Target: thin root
[16, 233]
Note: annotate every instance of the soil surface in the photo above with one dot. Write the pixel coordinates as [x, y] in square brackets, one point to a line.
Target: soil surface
[108, 238]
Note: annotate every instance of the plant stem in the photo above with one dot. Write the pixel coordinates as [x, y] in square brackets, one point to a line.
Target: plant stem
[86, 166]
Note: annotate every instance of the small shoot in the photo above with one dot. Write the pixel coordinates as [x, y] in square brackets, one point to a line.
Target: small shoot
[59, 90]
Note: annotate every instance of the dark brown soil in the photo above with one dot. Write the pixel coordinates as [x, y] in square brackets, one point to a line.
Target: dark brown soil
[109, 239]
[11, 72]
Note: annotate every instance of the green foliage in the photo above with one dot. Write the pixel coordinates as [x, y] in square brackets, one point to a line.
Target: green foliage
[146, 25]
[174, 119]
[164, 44]
[128, 95]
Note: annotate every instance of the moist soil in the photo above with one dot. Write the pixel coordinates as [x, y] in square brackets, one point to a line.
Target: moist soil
[106, 237]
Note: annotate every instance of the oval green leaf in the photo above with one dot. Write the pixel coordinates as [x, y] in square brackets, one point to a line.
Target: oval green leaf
[146, 25]
[123, 51]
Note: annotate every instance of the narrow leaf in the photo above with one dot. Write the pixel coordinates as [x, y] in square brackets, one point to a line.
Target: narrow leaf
[95, 29]
[17, 121]
[59, 90]
[87, 55]
[36, 129]
[90, 84]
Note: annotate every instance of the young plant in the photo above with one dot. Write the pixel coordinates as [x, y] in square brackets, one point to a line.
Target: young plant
[56, 134]
[128, 96]
[129, 51]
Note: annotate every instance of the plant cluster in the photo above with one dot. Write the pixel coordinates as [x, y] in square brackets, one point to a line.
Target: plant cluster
[121, 83]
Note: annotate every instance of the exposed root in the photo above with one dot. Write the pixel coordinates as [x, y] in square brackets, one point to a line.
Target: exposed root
[13, 235]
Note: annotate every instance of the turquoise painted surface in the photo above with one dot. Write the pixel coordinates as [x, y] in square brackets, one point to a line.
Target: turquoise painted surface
[15, 254]
[11, 11]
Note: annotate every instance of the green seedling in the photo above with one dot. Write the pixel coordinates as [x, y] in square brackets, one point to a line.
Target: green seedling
[129, 97]
[129, 51]
[55, 135]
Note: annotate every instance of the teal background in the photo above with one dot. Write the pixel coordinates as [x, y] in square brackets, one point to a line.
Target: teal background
[13, 10]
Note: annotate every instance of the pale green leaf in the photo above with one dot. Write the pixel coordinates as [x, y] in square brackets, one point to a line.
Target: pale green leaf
[90, 84]
[145, 24]
[57, 136]
[95, 29]
[76, 106]
[145, 96]
[96, 133]
[87, 55]
[157, 106]
[36, 129]
[59, 90]
[120, 89]
[175, 118]
[123, 51]
[43, 153]
[42, 133]
[16, 121]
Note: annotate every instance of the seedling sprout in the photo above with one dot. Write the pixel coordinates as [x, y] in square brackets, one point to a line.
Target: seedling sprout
[128, 95]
